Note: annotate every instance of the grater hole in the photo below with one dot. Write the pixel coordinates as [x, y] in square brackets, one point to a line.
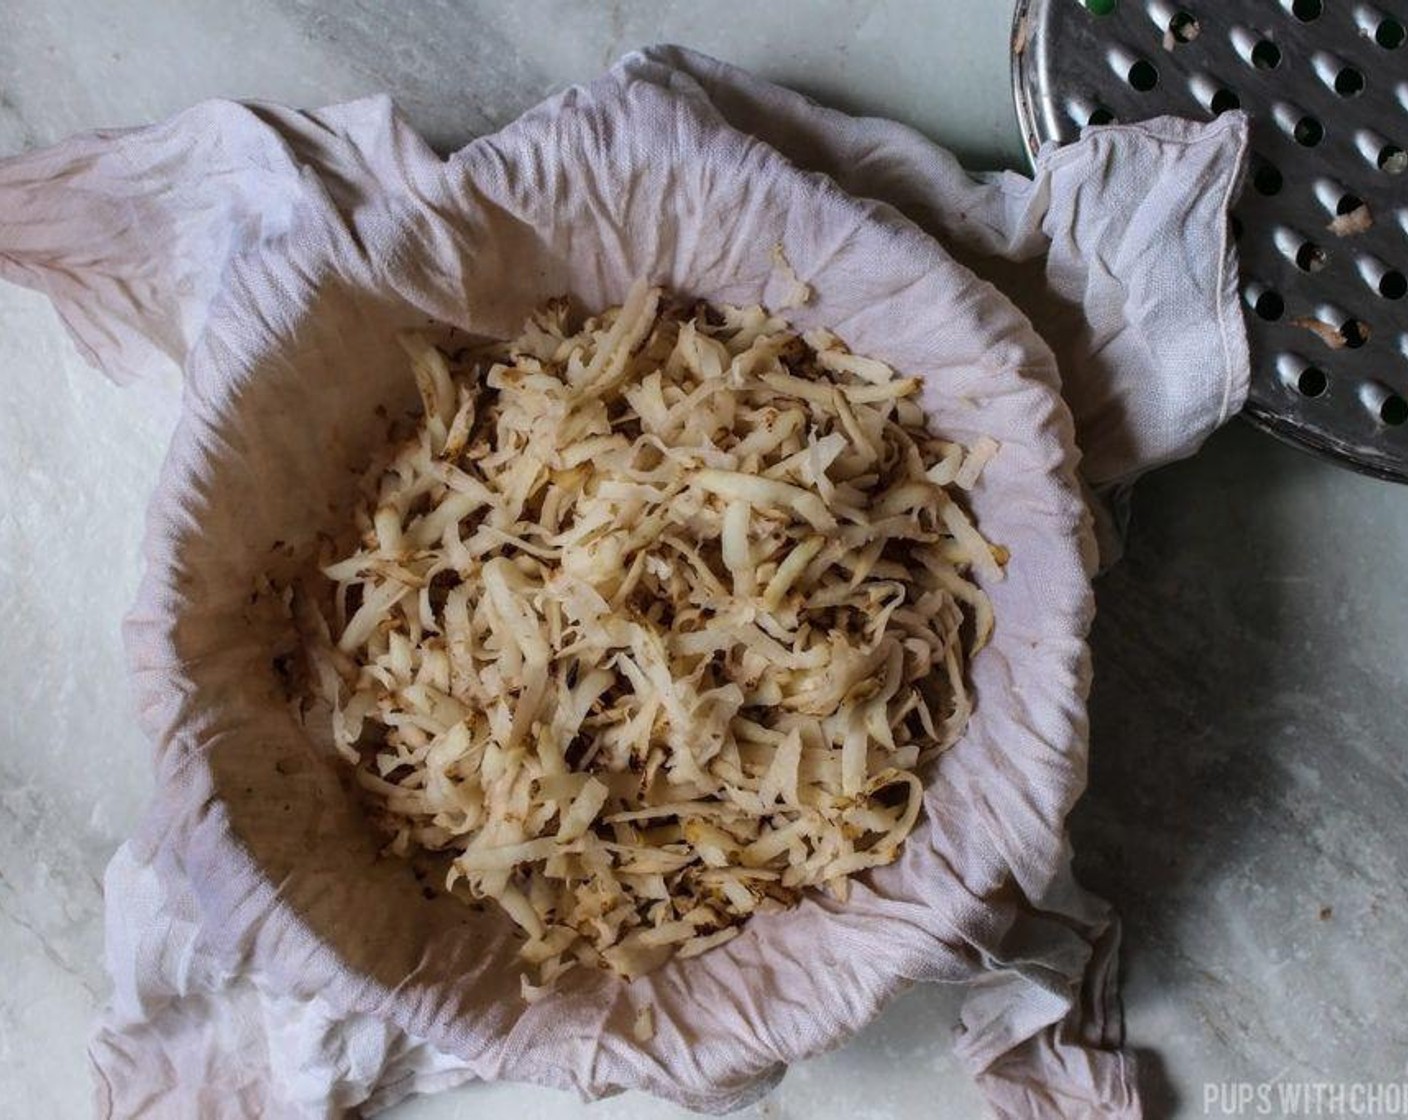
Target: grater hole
[1311, 382]
[1349, 82]
[1224, 101]
[1100, 115]
[1310, 257]
[1392, 159]
[1267, 180]
[1348, 204]
[1266, 55]
[1354, 333]
[1100, 7]
[1390, 34]
[1184, 27]
[1269, 306]
[1307, 10]
[1143, 75]
[1308, 132]
[1394, 411]
[1393, 284]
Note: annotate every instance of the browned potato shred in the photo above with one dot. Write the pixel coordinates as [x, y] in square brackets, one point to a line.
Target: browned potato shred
[653, 623]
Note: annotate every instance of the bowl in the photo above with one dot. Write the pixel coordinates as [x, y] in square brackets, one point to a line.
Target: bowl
[288, 385]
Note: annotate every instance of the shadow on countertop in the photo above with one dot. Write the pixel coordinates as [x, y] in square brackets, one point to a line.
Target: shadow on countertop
[1247, 771]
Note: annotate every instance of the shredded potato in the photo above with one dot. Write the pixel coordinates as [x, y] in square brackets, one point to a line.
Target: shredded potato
[651, 625]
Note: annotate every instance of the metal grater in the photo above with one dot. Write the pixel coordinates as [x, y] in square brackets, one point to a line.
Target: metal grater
[1322, 226]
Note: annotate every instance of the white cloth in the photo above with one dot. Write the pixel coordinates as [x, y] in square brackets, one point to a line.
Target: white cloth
[265, 962]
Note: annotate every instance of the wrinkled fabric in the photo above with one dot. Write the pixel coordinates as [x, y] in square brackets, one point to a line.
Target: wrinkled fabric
[265, 960]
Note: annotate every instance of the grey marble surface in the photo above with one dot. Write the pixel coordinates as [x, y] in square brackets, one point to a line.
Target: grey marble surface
[458, 69]
[1249, 771]
[1248, 779]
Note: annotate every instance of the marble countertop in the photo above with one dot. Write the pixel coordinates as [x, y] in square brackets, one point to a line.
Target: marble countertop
[1250, 748]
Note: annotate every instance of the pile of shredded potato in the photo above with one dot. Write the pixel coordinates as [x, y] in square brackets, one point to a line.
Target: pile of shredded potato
[652, 624]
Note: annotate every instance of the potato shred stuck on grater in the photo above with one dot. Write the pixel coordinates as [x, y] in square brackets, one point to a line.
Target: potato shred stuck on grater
[1322, 226]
